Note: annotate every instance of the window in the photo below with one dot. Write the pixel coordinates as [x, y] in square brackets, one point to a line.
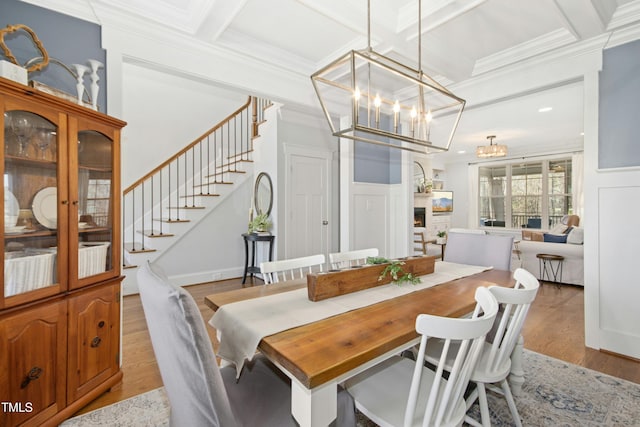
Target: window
[99, 191]
[533, 194]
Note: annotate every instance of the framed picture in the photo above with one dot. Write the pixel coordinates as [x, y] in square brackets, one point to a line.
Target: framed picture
[442, 201]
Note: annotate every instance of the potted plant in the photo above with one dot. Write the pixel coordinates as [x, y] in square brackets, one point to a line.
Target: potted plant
[428, 186]
[442, 237]
[260, 223]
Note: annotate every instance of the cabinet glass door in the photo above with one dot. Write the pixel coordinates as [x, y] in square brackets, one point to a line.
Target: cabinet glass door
[95, 203]
[31, 238]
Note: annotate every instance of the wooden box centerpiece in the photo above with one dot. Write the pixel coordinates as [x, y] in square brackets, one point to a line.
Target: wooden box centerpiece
[333, 283]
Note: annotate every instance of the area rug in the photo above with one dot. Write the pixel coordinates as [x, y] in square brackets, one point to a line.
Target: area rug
[555, 393]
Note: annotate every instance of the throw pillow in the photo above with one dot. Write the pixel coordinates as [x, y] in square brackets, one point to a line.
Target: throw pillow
[576, 236]
[555, 238]
[558, 229]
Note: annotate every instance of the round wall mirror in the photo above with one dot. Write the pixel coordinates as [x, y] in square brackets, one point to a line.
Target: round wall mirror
[263, 194]
[419, 178]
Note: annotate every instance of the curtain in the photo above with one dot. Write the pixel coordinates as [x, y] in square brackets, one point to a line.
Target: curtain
[577, 184]
[474, 218]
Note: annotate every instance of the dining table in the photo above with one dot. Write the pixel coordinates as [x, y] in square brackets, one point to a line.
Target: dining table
[319, 355]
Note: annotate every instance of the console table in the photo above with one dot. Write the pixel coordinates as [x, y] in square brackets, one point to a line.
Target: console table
[254, 238]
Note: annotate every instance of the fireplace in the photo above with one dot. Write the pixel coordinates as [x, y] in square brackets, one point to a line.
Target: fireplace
[419, 217]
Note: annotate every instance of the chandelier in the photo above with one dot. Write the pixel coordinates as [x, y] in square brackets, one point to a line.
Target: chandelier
[372, 98]
[491, 150]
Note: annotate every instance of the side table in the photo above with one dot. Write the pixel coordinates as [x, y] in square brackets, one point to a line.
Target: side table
[254, 238]
[546, 267]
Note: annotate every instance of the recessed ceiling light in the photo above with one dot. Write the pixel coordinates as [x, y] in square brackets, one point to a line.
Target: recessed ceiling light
[461, 151]
[545, 109]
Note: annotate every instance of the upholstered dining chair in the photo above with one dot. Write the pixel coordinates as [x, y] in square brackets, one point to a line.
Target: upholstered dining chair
[494, 364]
[200, 393]
[289, 269]
[479, 249]
[400, 391]
[351, 258]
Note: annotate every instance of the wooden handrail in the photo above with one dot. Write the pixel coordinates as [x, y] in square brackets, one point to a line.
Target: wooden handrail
[187, 148]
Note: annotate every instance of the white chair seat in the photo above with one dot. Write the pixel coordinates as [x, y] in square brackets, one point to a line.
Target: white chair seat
[386, 388]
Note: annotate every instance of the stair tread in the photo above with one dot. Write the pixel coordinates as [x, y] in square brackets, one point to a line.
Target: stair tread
[170, 221]
[186, 207]
[214, 183]
[155, 233]
[201, 194]
[129, 248]
[127, 266]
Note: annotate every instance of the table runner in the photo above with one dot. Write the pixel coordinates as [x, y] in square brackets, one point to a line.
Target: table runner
[241, 325]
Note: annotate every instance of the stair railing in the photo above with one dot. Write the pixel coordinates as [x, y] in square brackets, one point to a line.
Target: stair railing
[195, 171]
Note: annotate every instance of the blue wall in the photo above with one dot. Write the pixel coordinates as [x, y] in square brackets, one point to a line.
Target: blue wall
[67, 39]
[619, 124]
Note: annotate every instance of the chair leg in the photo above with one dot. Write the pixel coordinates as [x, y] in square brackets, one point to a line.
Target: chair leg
[512, 404]
[484, 405]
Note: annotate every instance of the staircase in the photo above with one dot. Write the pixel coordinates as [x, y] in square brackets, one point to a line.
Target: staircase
[165, 204]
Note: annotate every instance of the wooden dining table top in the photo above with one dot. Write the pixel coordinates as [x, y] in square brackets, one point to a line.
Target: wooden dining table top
[324, 350]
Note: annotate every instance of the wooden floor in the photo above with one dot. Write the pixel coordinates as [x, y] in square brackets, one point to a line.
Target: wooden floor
[555, 327]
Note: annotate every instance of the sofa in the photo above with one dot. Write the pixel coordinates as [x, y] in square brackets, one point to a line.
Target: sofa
[568, 244]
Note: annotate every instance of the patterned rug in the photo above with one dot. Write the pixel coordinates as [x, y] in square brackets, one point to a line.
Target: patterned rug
[555, 393]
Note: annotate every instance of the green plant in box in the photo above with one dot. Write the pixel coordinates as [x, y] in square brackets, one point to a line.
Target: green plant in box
[394, 270]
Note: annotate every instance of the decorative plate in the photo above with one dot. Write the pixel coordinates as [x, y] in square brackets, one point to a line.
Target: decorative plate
[11, 209]
[45, 207]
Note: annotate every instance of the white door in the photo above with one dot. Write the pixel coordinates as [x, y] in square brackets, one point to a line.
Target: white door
[308, 182]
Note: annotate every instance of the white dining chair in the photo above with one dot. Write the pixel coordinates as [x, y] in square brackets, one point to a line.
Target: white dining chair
[290, 269]
[479, 249]
[351, 258]
[494, 365]
[200, 392]
[401, 392]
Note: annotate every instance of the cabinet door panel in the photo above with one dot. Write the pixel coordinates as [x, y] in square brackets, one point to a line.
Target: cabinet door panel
[94, 332]
[92, 187]
[33, 364]
[35, 191]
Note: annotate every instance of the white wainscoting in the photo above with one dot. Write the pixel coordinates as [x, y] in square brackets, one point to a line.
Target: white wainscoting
[619, 239]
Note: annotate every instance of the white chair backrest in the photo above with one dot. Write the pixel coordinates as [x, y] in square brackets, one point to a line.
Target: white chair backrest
[479, 249]
[351, 258]
[289, 269]
[184, 354]
[470, 334]
[515, 303]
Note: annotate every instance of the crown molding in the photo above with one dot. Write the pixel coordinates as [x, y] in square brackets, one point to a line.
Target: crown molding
[553, 40]
[80, 9]
[625, 15]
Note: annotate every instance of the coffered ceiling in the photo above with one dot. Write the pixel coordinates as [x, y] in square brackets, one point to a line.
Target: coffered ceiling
[461, 39]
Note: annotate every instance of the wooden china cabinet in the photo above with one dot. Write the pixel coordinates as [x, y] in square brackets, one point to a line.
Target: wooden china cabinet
[60, 299]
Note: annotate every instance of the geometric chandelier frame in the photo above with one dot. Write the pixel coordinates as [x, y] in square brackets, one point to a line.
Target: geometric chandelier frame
[369, 97]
